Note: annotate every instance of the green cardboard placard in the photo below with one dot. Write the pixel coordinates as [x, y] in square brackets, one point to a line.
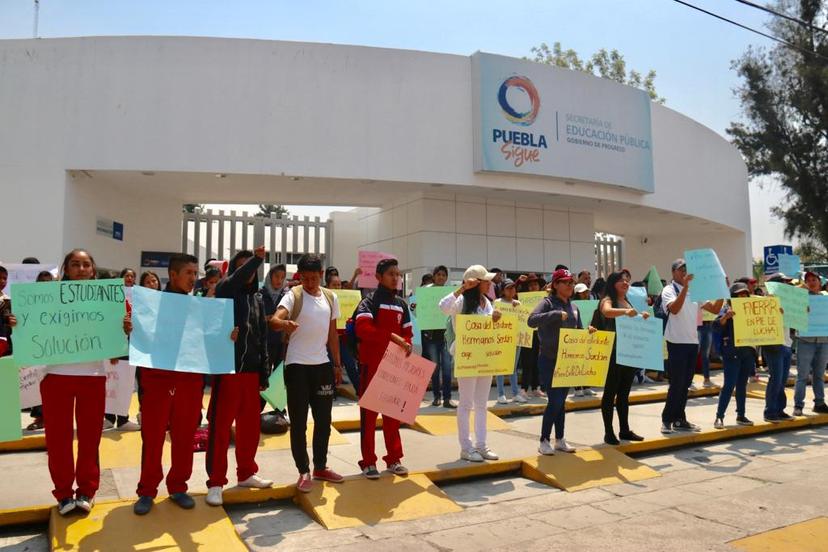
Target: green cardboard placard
[794, 304]
[653, 280]
[10, 429]
[276, 394]
[429, 315]
[69, 322]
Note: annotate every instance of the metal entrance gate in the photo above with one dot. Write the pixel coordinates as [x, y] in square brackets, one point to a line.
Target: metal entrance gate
[608, 258]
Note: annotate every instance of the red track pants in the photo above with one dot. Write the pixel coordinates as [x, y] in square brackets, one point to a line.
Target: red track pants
[368, 426]
[170, 400]
[234, 397]
[85, 397]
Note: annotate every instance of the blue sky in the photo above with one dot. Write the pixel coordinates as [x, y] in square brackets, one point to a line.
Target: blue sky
[691, 52]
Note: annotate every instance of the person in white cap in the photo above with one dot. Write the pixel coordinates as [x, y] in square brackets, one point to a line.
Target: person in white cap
[470, 298]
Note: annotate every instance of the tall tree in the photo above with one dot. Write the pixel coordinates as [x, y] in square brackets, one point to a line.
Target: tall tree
[606, 64]
[268, 209]
[784, 96]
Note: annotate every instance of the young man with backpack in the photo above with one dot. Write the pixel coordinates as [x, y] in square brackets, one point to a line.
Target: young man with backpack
[307, 314]
[381, 319]
[681, 313]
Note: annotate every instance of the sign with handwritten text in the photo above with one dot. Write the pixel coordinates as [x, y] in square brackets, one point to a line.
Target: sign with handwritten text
[640, 342]
[583, 358]
[348, 301]
[757, 321]
[368, 264]
[709, 282]
[794, 302]
[398, 387]
[483, 347]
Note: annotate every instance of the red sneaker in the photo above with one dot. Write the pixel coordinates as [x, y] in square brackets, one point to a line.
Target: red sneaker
[305, 483]
[328, 475]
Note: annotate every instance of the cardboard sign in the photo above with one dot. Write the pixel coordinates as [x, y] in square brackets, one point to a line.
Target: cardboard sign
[757, 321]
[69, 322]
[653, 280]
[398, 387]
[368, 263]
[10, 426]
[524, 333]
[276, 393]
[583, 358]
[637, 297]
[348, 301]
[528, 301]
[429, 315]
[789, 265]
[183, 333]
[29, 378]
[709, 282]
[26, 273]
[120, 383]
[639, 342]
[817, 317]
[586, 308]
[794, 302]
[483, 347]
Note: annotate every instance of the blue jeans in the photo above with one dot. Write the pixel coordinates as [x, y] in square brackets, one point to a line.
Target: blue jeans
[811, 358]
[705, 342]
[436, 351]
[555, 413]
[349, 362]
[681, 365]
[737, 367]
[779, 365]
[513, 379]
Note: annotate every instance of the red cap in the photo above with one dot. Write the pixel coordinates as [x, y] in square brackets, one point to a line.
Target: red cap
[811, 273]
[562, 274]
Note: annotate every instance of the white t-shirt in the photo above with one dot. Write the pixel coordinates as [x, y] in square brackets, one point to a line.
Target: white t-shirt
[682, 327]
[308, 344]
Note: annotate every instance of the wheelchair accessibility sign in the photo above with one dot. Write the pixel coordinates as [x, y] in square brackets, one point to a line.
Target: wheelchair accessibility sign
[772, 253]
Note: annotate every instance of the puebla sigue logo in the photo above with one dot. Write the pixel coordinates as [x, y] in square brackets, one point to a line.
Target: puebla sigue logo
[519, 146]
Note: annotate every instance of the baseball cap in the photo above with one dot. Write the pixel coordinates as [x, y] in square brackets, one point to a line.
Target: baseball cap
[562, 274]
[778, 277]
[810, 273]
[580, 288]
[508, 282]
[478, 272]
[677, 264]
[737, 288]
[747, 280]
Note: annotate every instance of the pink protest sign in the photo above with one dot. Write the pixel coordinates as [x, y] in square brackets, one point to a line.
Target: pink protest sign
[398, 386]
[368, 263]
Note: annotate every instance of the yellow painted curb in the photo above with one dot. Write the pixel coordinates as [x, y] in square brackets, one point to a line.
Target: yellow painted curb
[25, 516]
[446, 423]
[586, 468]
[473, 469]
[807, 536]
[31, 442]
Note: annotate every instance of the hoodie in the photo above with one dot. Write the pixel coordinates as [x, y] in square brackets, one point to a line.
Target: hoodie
[248, 315]
[377, 317]
[548, 319]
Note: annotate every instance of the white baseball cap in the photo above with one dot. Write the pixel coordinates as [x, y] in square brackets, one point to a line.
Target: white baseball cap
[478, 272]
[580, 288]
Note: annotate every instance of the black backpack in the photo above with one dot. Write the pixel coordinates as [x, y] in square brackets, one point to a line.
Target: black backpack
[658, 307]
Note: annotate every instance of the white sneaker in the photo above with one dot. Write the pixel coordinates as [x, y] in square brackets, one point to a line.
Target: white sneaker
[708, 384]
[256, 482]
[692, 387]
[579, 393]
[487, 454]
[471, 456]
[648, 379]
[589, 392]
[718, 424]
[502, 400]
[129, 425]
[214, 496]
[546, 448]
[398, 469]
[107, 424]
[563, 446]
[520, 398]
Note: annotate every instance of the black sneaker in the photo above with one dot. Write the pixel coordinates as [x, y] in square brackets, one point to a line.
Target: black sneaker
[770, 418]
[611, 439]
[666, 428]
[371, 472]
[743, 421]
[684, 425]
[183, 500]
[784, 416]
[821, 408]
[66, 505]
[448, 403]
[435, 402]
[142, 506]
[84, 503]
[630, 436]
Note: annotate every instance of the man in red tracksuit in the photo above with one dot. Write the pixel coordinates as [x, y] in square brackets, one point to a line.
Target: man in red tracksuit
[381, 319]
[170, 400]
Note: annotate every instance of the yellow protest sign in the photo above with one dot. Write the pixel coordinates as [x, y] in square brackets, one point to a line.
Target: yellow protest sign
[483, 348]
[528, 301]
[524, 332]
[583, 358]
[757, 321]
[348, 301]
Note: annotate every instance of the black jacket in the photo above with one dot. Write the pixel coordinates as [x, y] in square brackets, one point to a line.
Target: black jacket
[547, 318]
[249, 316]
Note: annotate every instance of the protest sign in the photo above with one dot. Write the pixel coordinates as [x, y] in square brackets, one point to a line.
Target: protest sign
[10, 426]
[637, 297]
[794, 302]
[26, 274]
[586, 308]
[639, 342]
[367, 261]
[524, 333]
[817, 317]
[29, 380]
[183, 333]
[653, 280]
[348, 300]
[399, 385]
[528, 301]
[583, 358]
[429, 315]
[789, 265]
[120, 383]
[757, 321]
[276, 393]
[709, 283]
[483, 347]
[69, 321]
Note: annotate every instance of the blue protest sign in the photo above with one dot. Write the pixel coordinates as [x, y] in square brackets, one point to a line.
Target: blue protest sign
[638, 342]
[183, 333]
[788, 265]
[817, 317]
[637, 296]
[709, 283]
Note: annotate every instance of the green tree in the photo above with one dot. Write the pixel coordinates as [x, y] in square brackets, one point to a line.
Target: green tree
[192, 208]
[268, 209]
[606, 64]
[784, 97]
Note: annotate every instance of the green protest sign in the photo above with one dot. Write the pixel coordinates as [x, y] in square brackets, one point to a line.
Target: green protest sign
[794, 304]
[276, 394]
[654, 285]
[9, 401]
[587, 308]
[69, 322]
[429, 315]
